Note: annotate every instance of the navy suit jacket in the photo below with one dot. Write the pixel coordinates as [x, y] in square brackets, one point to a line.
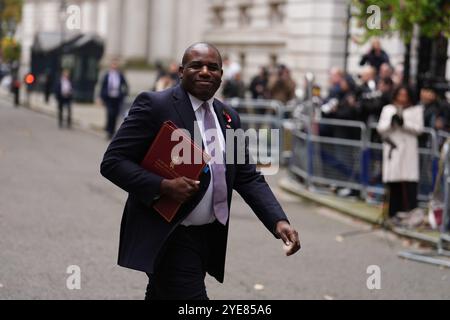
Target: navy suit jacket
[143, 231]
[58, 92]
[123, 92]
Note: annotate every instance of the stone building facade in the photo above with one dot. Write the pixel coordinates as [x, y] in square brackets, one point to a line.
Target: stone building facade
[306, 35]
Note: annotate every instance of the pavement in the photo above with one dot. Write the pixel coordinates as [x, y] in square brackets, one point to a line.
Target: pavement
[57, 211]
[357, 209]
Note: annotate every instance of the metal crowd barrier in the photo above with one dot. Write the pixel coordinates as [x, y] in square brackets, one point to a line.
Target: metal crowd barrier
[328, 160]
[262, 115]
[428, 162]
[347, 154]
[440, 256]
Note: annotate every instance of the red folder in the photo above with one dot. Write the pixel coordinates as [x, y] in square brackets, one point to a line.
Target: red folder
[159, 160]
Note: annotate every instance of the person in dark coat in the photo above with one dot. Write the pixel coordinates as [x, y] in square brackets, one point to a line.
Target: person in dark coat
[375, 57]
[64, 96]
[114, 89]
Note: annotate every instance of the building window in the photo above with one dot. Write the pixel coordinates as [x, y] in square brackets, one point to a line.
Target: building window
[244, 15]
[218, 16]
[276, 13]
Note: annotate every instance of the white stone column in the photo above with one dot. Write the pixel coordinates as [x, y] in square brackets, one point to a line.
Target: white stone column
[316, 37]
[49, 16]
[163, 24]
[87, 16]
[28, 31]
[135, 28]
[190, 27]
[94, 17]
[102, 18]
[114, 34]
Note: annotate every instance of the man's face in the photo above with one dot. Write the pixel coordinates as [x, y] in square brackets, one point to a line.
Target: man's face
[427, 96]
[202, 72]
[376, 45]
[402, 99]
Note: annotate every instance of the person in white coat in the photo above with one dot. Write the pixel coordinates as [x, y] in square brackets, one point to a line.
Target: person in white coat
[400, 125]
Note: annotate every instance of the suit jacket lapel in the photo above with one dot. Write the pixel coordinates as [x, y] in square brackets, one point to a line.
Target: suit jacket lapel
[184, 109]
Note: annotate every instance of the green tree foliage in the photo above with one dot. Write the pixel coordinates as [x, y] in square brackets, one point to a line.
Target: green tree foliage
[10, 49]
[10, 15]
[400, 16]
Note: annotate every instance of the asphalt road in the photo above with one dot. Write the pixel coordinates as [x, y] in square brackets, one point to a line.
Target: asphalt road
[57, 211]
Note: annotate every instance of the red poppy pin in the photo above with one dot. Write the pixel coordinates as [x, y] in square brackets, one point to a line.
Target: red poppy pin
[227, 119]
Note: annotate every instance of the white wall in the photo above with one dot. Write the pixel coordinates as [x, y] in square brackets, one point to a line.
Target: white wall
[317, 32]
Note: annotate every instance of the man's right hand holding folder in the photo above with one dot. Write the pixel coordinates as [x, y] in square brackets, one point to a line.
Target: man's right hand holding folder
[180, 181]
[179, 189]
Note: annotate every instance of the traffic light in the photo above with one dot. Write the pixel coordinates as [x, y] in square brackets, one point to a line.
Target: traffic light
[29, 79]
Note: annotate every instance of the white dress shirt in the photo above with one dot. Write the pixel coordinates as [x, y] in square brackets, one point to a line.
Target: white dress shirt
[203, 213]
[113, 84]
[66, 87]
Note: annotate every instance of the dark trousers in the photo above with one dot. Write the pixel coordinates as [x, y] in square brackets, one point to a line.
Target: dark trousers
[402, 197]
[16, 92]
[180, 274]
[67, 105]
[113, 106]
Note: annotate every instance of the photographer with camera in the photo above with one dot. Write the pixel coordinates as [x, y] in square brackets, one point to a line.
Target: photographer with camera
[400, 125]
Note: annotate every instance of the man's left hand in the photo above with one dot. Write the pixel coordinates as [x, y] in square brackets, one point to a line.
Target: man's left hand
[289, 236]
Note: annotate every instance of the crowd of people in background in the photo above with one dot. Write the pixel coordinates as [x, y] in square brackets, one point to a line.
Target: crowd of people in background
[359, 98]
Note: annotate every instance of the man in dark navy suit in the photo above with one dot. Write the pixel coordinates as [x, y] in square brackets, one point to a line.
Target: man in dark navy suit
[113, 91]
[177, 255]
[64, 96]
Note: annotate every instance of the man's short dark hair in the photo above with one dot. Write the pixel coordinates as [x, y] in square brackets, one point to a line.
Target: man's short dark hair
[387, 81]
[191, 47]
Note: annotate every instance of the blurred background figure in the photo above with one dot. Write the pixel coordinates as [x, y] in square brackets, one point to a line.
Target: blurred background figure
[258, 85]
[167, 79]
[375, 57]
[281, 85]
[64, 96]
[436, 114]
[400, 125]
[230, 68]
[173, 73]
[436, 111]
[335, 77]
[386, 71]
[164, 82]
[345, 109]
[234, 87]
[372, 103]
[397, 76]
[48, 85]
[15, 88]
[114, 89]
[367, 81]
[160, 71]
